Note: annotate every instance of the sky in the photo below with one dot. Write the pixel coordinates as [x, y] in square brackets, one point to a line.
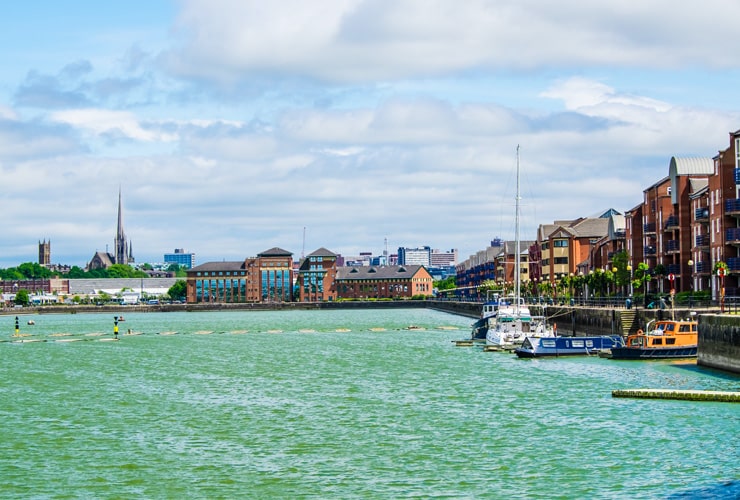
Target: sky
[234, 126]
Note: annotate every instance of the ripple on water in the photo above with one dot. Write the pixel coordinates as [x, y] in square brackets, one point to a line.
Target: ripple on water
[341, 411]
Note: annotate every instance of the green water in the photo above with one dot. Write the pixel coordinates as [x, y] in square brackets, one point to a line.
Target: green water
[290, 405]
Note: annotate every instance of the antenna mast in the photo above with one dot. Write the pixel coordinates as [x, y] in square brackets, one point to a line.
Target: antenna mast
[303, 249]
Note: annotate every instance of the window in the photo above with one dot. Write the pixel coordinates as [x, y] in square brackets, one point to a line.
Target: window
[560, 243]
[561, 260]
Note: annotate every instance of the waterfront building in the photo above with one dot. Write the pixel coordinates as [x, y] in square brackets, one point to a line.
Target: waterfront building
[317, 275]
[265, 278]
[47, 286]
[724, 220]
[565, 246]
[181, 258]
[383, 282]
[477, 269]
[670, 227]
[505, 262]
[604, 249]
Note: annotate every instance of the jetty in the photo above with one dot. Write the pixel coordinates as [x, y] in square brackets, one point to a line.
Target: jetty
[716, 396]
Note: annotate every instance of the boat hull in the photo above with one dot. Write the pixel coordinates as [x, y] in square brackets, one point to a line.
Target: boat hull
[480, 329]
[654, 352]
[566, 346]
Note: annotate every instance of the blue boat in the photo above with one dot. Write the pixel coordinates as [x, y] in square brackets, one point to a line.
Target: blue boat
[536, 347]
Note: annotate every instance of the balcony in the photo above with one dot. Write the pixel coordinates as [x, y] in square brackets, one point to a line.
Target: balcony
[650, 250]
[737, 176]
[732, 207]
[733, 263]
[701, 214]
[674, 269]
[672, 246]
[671, 223]
[704, 267]
[732, 236]
[701, 241]
[648, 228]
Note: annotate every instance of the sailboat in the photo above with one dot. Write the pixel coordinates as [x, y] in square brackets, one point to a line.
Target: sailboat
[514, 322]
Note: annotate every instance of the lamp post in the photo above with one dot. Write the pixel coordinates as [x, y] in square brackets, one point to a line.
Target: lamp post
[721, 273]
[691, 281]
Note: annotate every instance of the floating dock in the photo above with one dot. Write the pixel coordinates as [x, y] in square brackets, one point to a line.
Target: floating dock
[463, 343]
[718, 396]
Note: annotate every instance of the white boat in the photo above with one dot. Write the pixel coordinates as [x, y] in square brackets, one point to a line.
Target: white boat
[514, 322]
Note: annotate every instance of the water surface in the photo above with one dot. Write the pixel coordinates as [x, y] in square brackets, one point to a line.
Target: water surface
[341, 404]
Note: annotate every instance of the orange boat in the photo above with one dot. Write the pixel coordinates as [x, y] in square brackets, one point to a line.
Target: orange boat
[665, 339]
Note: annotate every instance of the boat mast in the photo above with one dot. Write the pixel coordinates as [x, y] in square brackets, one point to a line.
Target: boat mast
[517, 264]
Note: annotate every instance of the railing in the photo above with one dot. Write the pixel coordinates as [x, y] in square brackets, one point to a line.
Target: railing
[671, 221]
[737, 176]
[703, 267]
[702, 240]
[651, 250]
[672, 246]
[648, 228]
[732, 234]
[732, 205]
[733, 263]
[701, 214]
[674, 269]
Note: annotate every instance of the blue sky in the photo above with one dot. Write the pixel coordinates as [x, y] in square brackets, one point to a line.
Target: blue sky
[231, 125]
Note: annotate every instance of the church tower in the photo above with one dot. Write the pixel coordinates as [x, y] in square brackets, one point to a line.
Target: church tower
[45, 253]
[121, 247]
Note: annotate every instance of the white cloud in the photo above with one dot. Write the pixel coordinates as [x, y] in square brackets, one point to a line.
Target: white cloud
[367, 40]
[103, 121]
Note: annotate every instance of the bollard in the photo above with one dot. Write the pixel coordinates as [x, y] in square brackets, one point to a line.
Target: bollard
[16, 326]
[115, 327]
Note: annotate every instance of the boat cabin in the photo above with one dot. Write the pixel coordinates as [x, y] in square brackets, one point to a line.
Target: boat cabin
[666, 333]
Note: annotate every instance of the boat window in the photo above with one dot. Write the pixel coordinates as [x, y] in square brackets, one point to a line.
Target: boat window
[578, 343]
[589, 343]
[669, 327]
[635, 341]
[685, 328]
[670, 341]
[548, 343]
[657, 341]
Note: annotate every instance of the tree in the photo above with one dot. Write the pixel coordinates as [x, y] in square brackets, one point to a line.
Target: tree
[446, 284]
[642, 276]
[21, 297]
[179, 290]
[487, 286]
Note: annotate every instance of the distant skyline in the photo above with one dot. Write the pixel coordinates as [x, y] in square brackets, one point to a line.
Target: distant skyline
[230, 126]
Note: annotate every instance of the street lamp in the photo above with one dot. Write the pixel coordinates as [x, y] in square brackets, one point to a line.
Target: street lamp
[691, 281]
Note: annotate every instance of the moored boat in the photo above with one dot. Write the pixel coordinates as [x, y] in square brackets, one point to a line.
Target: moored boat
[515, 322]
[536, 347]
[664, 339]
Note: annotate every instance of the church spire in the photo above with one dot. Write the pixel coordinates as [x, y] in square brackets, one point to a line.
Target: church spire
[121, 248]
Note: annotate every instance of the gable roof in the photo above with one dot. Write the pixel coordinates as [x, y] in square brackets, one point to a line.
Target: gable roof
[379, 272]
[218, 266]
[275, 252]
[322, 252]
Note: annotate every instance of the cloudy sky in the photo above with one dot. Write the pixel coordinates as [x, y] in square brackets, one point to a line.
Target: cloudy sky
[232, 125]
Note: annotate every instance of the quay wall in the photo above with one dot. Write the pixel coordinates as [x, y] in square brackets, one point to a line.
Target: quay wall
[719, 342]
